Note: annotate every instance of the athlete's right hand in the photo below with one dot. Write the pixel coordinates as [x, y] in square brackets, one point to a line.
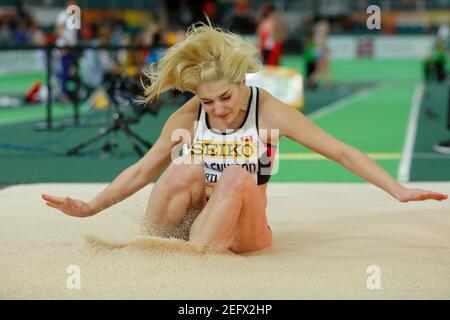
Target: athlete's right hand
[69, 206]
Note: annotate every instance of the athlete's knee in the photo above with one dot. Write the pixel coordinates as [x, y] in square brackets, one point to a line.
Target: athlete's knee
[260, 244]
[183, 176]
[236, 178]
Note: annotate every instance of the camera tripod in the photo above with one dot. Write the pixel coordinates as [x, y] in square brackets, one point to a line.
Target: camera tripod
[120, 123]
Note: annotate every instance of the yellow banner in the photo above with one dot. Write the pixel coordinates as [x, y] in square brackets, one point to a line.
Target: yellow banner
[223, 149]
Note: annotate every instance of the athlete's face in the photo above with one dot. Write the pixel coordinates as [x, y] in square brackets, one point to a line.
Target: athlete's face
[221, 99]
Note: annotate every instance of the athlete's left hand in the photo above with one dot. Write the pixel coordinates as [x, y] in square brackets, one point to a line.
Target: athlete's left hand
[420, 195]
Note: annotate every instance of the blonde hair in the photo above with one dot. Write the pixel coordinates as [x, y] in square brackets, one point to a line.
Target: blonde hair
[207, 54]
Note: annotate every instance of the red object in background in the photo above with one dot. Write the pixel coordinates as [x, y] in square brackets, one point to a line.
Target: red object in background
[274, 56]
[210, 8]
[50, 38]
[241, 7]
[271, 56]
[32, 93]
[86, 33]
[365, 47]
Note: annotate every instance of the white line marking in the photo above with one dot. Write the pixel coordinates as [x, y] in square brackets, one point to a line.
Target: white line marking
[316, 156]
[337, 105]
[431, 155]
[408, 148]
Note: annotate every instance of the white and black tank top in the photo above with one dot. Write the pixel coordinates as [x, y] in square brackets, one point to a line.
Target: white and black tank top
[242, 147]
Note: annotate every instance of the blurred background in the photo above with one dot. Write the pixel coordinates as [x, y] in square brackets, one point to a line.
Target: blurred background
[379, 83]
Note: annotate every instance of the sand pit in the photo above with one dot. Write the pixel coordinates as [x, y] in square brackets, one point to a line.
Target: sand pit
[325, 238]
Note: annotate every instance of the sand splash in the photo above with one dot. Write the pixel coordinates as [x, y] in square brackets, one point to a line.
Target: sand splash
[145, 243]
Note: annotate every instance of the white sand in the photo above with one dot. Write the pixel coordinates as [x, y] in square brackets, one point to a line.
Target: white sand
[325, 237]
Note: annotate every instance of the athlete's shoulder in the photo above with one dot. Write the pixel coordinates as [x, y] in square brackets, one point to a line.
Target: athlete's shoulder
[264, 95]
[273, 113]
[267, 99]
[268, 104]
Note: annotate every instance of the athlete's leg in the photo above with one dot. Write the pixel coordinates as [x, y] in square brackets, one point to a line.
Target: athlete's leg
[234, 217]
[181, 187]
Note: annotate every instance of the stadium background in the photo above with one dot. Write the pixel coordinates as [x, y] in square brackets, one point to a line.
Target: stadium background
[377, 99]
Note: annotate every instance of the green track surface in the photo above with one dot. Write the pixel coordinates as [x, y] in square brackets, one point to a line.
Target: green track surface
[374, 98]
[19, 83]
[367, 70]
[45, 160]
[374, 124]
[35, 112]
[427, 164]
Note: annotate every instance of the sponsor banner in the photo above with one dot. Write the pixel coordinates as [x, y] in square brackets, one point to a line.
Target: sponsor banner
[402, 46]
[19, 61]
[343, 47]
[225, 149]
[380, 47]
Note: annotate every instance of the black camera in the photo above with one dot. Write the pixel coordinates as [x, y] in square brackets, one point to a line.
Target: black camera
[125, 92]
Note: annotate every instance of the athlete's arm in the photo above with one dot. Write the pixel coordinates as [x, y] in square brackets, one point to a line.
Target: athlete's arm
[137, 175]
[294, 125]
